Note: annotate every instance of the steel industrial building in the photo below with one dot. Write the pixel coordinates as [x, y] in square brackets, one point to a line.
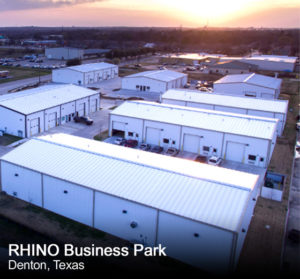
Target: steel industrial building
[200, 213]
[64, 53]
[29, 112]
[251, 106]
[236, 137]
[278, 63]
[85, 74]
[249, 85]
[154, 81]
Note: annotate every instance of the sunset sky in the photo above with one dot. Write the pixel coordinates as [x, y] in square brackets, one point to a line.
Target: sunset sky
[165, 13]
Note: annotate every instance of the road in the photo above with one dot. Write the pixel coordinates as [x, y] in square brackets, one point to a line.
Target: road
[7, 86]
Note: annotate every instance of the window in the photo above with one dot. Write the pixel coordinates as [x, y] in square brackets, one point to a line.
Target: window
[215, 150]
[136, 135]
[148, 87]
[137, 86]
[252, 157]
[173, 142]
[206, 148]
[261, 159]
[130, 134]
[166, 140]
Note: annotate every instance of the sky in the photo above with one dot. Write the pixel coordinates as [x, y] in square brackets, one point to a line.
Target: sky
[154, 13]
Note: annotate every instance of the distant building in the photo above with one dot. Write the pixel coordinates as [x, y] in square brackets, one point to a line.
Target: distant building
[249, 85]
[85, 74]
[150, 45]
[97, 52]
[230, 67]
[158, 81]
[30, 112]
[64, 53]
[272, 62]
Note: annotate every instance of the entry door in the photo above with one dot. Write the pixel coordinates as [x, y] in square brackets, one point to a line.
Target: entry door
[191, 143]
[52, 120]
[235, 151]
[153, 135]
[34, 126]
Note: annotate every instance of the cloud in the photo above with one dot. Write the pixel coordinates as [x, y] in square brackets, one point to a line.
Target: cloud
[8, 5]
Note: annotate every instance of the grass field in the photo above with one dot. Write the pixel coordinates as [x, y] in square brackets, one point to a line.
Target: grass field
[17, 73]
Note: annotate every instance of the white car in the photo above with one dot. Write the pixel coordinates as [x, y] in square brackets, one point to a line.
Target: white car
[119, 141]
[214, 160]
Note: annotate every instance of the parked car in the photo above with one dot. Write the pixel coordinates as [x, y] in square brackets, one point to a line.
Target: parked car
[201, 159]
[145, 146]
[191, 69]
[157, 149]
[131, 143]
[187, 85]
[119, 141]
[84, 119]
[298, 126]
[172, 151]
[203, 89]
[214, 160]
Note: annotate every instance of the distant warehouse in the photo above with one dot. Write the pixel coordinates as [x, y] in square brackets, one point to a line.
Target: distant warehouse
[33, 111]
[158, 81]
[251, 106]
[236, 137]
[64, 53]
[249, 85]
[200, 213]
[85, 74]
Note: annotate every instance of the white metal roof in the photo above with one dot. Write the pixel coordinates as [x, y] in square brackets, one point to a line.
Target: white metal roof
[44, 97]
[252, 78]
[273, 58]
[194, 96]
[239, 124]
[178, 186]
[84, 68]
[162, 75]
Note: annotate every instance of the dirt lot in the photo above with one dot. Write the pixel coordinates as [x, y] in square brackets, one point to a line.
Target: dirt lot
[262, 250]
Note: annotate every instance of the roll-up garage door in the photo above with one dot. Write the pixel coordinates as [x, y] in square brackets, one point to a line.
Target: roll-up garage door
[34, 126]
[153, 135]
[191, 143]
[120, 126]
[235, 151]
[52, 119]
[81, 109]
[93, 105]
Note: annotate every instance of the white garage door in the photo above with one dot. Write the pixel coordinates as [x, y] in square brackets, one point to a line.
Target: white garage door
[93, 105]
[120, 126]
[34, 126]
[52, 119]
[153, 135]
[235, 151]
[191, 143]
[81, 109]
